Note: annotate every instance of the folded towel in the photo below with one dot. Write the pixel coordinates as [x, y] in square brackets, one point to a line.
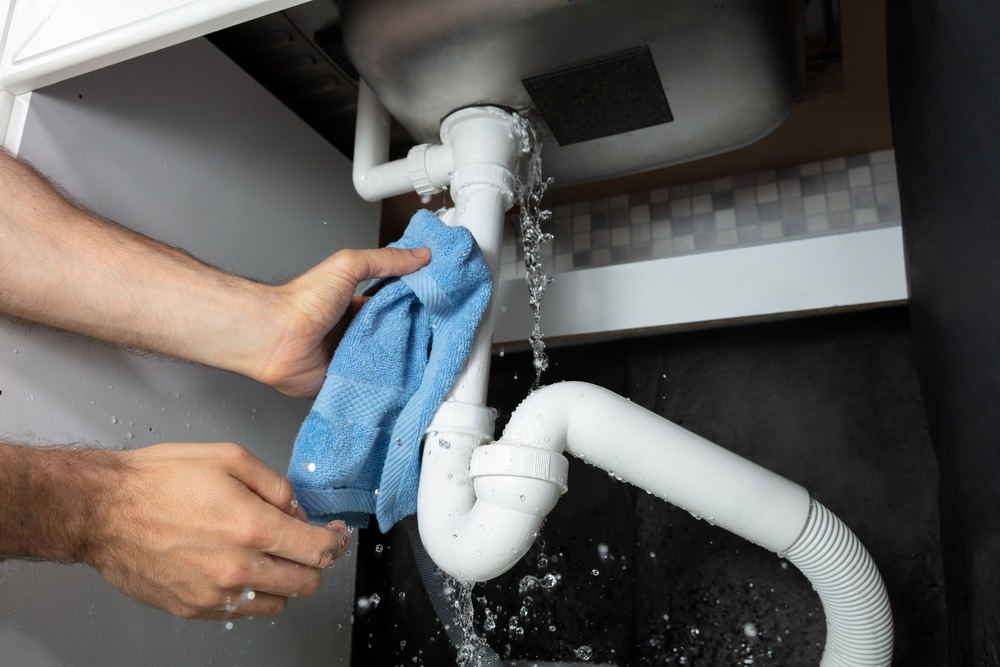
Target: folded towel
[358, 451]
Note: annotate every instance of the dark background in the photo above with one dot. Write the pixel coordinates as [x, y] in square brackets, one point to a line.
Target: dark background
[830, 402]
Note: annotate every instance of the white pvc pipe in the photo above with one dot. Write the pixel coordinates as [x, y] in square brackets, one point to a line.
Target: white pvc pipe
[426, 169]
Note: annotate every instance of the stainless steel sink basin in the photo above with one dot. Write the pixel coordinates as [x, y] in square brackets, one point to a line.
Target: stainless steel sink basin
[620, 86]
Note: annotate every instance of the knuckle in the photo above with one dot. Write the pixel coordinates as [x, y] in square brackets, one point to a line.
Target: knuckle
[273, 606]
[284, 492]
[249, 533]
[229, 576]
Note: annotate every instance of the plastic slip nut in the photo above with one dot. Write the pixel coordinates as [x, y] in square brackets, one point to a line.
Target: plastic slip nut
[520, 461]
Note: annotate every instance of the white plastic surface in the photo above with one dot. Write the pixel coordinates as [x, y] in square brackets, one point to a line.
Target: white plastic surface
[53, 40]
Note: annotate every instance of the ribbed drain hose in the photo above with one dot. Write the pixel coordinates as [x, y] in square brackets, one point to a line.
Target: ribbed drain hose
[858, 616]
[479, 653]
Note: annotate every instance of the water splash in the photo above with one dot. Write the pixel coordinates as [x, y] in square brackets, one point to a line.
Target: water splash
[530, 190]
[472, 647]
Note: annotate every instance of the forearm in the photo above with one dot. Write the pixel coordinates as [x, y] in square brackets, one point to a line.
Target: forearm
[50, 500]
[65, 268]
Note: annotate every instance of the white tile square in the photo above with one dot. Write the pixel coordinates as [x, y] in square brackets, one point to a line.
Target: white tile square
[725, 219]
[701, 203]
[859, 177]
[790, 188]
[725, 237]
[818, 223]
[663, 247]
[838, 201]
[600, 257]
[887, 193]
[680, 207]
[882, 156]
[770, 230]
[767, 192]
[581, 223]
[814, 204]
[640, 233]
[865, 216]
[811, 169]
[563, 263]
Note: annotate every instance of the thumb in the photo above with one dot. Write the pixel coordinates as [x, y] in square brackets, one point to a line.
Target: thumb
[360, 265]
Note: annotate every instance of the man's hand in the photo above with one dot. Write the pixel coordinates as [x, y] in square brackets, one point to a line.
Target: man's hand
[200, 530]
[313, 312]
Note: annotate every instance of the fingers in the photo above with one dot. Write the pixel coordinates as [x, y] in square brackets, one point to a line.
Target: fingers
[360, 265]
[302, 543]
[272, 487]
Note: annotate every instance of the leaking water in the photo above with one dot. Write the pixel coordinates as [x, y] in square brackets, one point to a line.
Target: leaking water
[530, 190]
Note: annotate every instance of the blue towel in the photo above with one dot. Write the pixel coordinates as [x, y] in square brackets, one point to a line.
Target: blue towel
[358, 451]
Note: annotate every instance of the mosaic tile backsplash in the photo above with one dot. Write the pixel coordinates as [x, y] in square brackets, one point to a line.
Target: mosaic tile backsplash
[834, 196]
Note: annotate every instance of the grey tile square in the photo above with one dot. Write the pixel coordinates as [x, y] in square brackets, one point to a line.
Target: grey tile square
[863, 197]
[887, 193]
[862, 160]
[563, 226]
[836, 164]
[683, 243]
[638, 198]
[563, 245]
[701, 203]
[701, 188]
[748, 234]
[581, 223]
[599, 206]
[639, 214]
[662, 247]
[643, 251]
[813, 185]
[746, 216]
[600, 238]
[680, 191]
[744, 181]
[745, 197]
[659, 210]
[767, 176]
[641, 234]
[621, 236]
[683, 226]
[704, 222]
[725, 219]
[618, 201]
[889, 213]
[789, 189]
[580, 208]
[884, 172]
[726, 237]
[859, 177]
[770, 211]
[581, 242]
[723, 184]
[841, 219]
[600, 257]
[810, 169]
[563, 211]
[660, 229]
[705, 240]
[788, 173]
[680, 206]
[600, 220]
[791, 208]
[563, 263]
[581, 259]
[793, 227]
[659, 195]
[620, 217]
[835, 181]
[721, 200]
[621, 254]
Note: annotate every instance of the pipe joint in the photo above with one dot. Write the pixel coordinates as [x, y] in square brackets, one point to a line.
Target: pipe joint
[521, 461]
[492, 176]
[429, 168]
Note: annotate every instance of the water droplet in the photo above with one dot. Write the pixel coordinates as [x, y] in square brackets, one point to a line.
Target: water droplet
[584, 653]
[444, 444]
[251, 595]
[425, 199]
[377, 491]
[595, 572]
[129, 435]
[603, 551]
[378, 549]
[229, 625]
[311, 467]
[750, 630]
[402, 597]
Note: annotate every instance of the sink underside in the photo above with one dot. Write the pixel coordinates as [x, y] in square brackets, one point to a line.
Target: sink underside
[619, 86]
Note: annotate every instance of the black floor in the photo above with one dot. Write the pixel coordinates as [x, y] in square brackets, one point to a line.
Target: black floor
[831, 403]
